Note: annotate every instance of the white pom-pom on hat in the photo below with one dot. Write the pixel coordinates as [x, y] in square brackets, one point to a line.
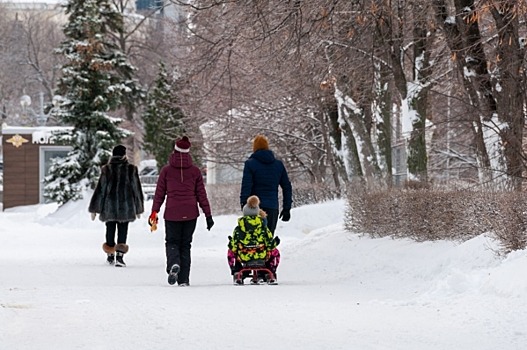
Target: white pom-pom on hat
[182, 145]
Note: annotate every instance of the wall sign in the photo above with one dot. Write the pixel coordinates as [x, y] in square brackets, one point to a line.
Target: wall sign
[17, 140]
[43, 137]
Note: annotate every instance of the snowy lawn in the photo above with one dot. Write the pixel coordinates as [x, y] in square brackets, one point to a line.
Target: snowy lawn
[337, 290]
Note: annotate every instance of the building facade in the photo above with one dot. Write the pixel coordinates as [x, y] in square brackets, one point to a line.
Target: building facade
[27, 154]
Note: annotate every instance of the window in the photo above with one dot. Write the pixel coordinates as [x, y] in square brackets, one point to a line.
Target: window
[47, 153]
[148, 4]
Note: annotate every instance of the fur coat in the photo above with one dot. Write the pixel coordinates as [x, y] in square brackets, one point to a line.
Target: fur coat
[118, 195]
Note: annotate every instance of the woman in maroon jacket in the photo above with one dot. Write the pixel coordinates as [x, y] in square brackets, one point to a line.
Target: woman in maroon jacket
[181, 183]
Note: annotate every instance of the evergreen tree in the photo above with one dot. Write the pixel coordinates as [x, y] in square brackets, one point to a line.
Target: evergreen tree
[163, 119]
[95, 80]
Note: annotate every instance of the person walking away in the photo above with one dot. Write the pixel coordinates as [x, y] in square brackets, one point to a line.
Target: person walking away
[263, 174]
[118, 198]
[181, 184]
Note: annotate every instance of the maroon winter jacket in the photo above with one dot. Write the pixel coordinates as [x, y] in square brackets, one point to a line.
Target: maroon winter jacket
[181, 183]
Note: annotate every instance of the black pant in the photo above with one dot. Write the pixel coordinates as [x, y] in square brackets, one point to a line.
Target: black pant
[178, 240]
[272, 218]
[122, 232]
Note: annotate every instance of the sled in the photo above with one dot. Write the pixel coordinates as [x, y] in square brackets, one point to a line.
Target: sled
[252, 269]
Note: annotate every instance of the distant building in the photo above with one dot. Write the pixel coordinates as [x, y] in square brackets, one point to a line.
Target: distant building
[27, 153]
[148, 5]
[215, 143]
[22, 6]
[166, 8]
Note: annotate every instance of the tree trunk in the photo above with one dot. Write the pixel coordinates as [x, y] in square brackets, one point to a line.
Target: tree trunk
[510, 99]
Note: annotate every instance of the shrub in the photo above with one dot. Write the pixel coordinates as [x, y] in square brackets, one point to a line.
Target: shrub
[426, 214]
[225, 199]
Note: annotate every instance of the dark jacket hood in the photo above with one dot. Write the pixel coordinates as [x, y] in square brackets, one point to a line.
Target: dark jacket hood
[263, 156]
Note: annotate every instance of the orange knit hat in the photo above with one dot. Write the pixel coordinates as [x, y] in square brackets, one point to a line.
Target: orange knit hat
[260, 142]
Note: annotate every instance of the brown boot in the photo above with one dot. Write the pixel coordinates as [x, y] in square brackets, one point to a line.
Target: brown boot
[110, 252]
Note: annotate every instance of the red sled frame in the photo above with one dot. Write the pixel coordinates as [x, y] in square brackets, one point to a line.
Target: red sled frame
[253, 267]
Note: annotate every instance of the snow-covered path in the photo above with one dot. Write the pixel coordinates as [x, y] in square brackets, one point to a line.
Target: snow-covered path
[337, 290]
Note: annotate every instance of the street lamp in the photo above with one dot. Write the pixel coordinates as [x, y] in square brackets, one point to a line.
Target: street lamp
[4, 113]
[41, 117]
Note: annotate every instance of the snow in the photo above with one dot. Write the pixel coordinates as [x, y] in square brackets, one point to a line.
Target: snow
[150, 163]
[450, 20]
[408, 116]
[338, 290]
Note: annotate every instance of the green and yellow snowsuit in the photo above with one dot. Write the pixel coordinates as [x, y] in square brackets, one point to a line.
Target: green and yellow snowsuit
[251, 239]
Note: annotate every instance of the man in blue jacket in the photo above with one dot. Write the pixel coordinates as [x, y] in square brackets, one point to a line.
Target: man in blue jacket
[262, 175]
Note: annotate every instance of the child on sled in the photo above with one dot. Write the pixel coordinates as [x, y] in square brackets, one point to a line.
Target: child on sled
[253, 245]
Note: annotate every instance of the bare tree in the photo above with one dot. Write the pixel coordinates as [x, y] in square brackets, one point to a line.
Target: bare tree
[242, 79]
[490, 60]
[297, 52]
[27, 62]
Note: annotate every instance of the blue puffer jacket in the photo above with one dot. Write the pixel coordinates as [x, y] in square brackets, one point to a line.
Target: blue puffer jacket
[262, 174]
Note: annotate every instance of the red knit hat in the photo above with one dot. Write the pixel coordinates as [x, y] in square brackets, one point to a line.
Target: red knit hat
[182, 145]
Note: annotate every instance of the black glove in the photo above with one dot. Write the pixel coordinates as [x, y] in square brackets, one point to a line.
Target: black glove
[210, 222]
[285, 215]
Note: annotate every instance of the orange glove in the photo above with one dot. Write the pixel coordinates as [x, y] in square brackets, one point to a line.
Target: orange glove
[152, 221]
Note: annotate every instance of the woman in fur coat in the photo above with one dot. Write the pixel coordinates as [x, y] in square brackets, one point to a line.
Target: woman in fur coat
[118, 198]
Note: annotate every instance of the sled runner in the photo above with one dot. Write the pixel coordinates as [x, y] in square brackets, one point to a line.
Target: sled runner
[257, 271]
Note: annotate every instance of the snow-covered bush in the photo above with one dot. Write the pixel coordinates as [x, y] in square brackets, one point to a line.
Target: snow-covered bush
[431, 214]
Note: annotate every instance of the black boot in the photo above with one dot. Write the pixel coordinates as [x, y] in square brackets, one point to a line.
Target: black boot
[172, 274]
[121, 249]
[119, 262]
[110, 253]
[110, 259]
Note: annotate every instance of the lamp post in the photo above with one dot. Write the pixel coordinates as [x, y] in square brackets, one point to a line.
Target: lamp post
[4, 113]
[41, 117]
